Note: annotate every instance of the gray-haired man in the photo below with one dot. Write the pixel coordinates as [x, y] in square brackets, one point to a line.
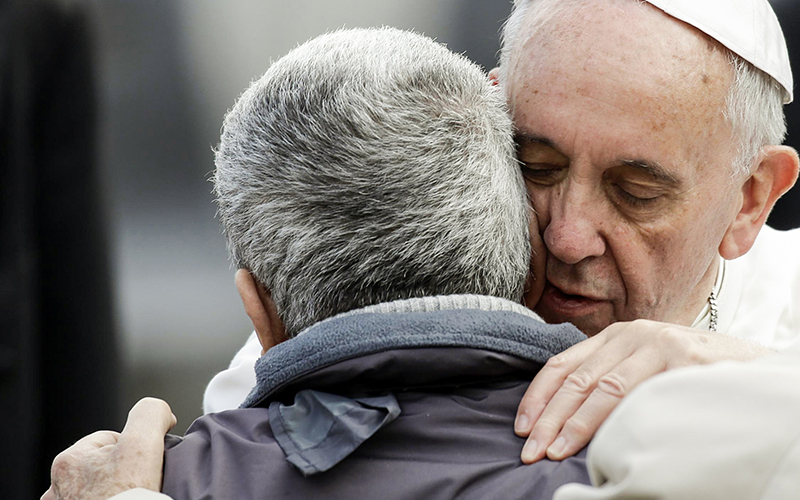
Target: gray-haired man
[650, 138]
[372, 203]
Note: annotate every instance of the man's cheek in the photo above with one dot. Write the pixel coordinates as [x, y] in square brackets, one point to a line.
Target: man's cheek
[541, 212]
[536, 278]
[534, 288]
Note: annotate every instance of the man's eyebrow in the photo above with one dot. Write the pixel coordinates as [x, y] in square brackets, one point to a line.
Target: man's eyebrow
[655, 169]
[521, 137]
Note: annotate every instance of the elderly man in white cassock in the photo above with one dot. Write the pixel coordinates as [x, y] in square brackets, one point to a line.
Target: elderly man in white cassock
[649, 134]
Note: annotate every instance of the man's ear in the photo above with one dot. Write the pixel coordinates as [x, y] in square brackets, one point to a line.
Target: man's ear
[494, 76]
[259, 306]
[775, 174]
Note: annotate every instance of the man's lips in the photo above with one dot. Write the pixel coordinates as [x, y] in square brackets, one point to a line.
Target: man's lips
[557, 302]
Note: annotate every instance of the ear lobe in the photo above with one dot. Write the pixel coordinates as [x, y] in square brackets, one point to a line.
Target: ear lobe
[259, 306]
[494, 76]
[775, 174]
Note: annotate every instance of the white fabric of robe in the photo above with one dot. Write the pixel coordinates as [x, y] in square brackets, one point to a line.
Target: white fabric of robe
[140, 494]
[228, 388]
[723, 431]
[759, 297]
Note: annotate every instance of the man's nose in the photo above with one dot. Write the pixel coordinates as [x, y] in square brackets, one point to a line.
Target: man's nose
[573, 231]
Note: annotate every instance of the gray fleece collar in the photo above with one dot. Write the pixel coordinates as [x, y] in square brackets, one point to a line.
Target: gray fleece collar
[467, 321]
[442, 303]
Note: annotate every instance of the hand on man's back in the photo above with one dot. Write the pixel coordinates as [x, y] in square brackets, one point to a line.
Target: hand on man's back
[576, 390]
[106, 463]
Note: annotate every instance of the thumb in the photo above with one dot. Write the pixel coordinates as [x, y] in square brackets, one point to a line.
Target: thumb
[148, 421]
[141, 443]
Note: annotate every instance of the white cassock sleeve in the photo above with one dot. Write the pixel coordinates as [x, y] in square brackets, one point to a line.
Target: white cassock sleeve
[228, 389]
[728, 431]
[140, 494]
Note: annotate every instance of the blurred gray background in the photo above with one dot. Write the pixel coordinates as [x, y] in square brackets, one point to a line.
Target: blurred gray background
[168, 71]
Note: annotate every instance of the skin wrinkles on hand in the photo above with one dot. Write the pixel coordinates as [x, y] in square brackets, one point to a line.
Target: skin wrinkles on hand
[107, 463]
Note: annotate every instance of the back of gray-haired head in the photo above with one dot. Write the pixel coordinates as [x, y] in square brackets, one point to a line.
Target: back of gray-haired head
[754, 104]
[372, 165]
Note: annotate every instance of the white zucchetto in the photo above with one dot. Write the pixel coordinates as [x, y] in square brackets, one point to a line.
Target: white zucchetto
[749, 28]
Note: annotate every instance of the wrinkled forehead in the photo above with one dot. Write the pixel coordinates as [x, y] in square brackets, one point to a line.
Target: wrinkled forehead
[632, 48]
[748, 28]
[623, 80]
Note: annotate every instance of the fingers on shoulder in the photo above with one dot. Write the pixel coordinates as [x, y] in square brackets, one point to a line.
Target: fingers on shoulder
[546, 383]
[665, 345]
[613, 385]
[93, 441]
[579, 382]
[81, 452]
[150, 406]
[148, 416]
[559, 368]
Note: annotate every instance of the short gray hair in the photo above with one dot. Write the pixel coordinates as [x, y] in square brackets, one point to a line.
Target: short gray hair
[372, 165]
[754, 104]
